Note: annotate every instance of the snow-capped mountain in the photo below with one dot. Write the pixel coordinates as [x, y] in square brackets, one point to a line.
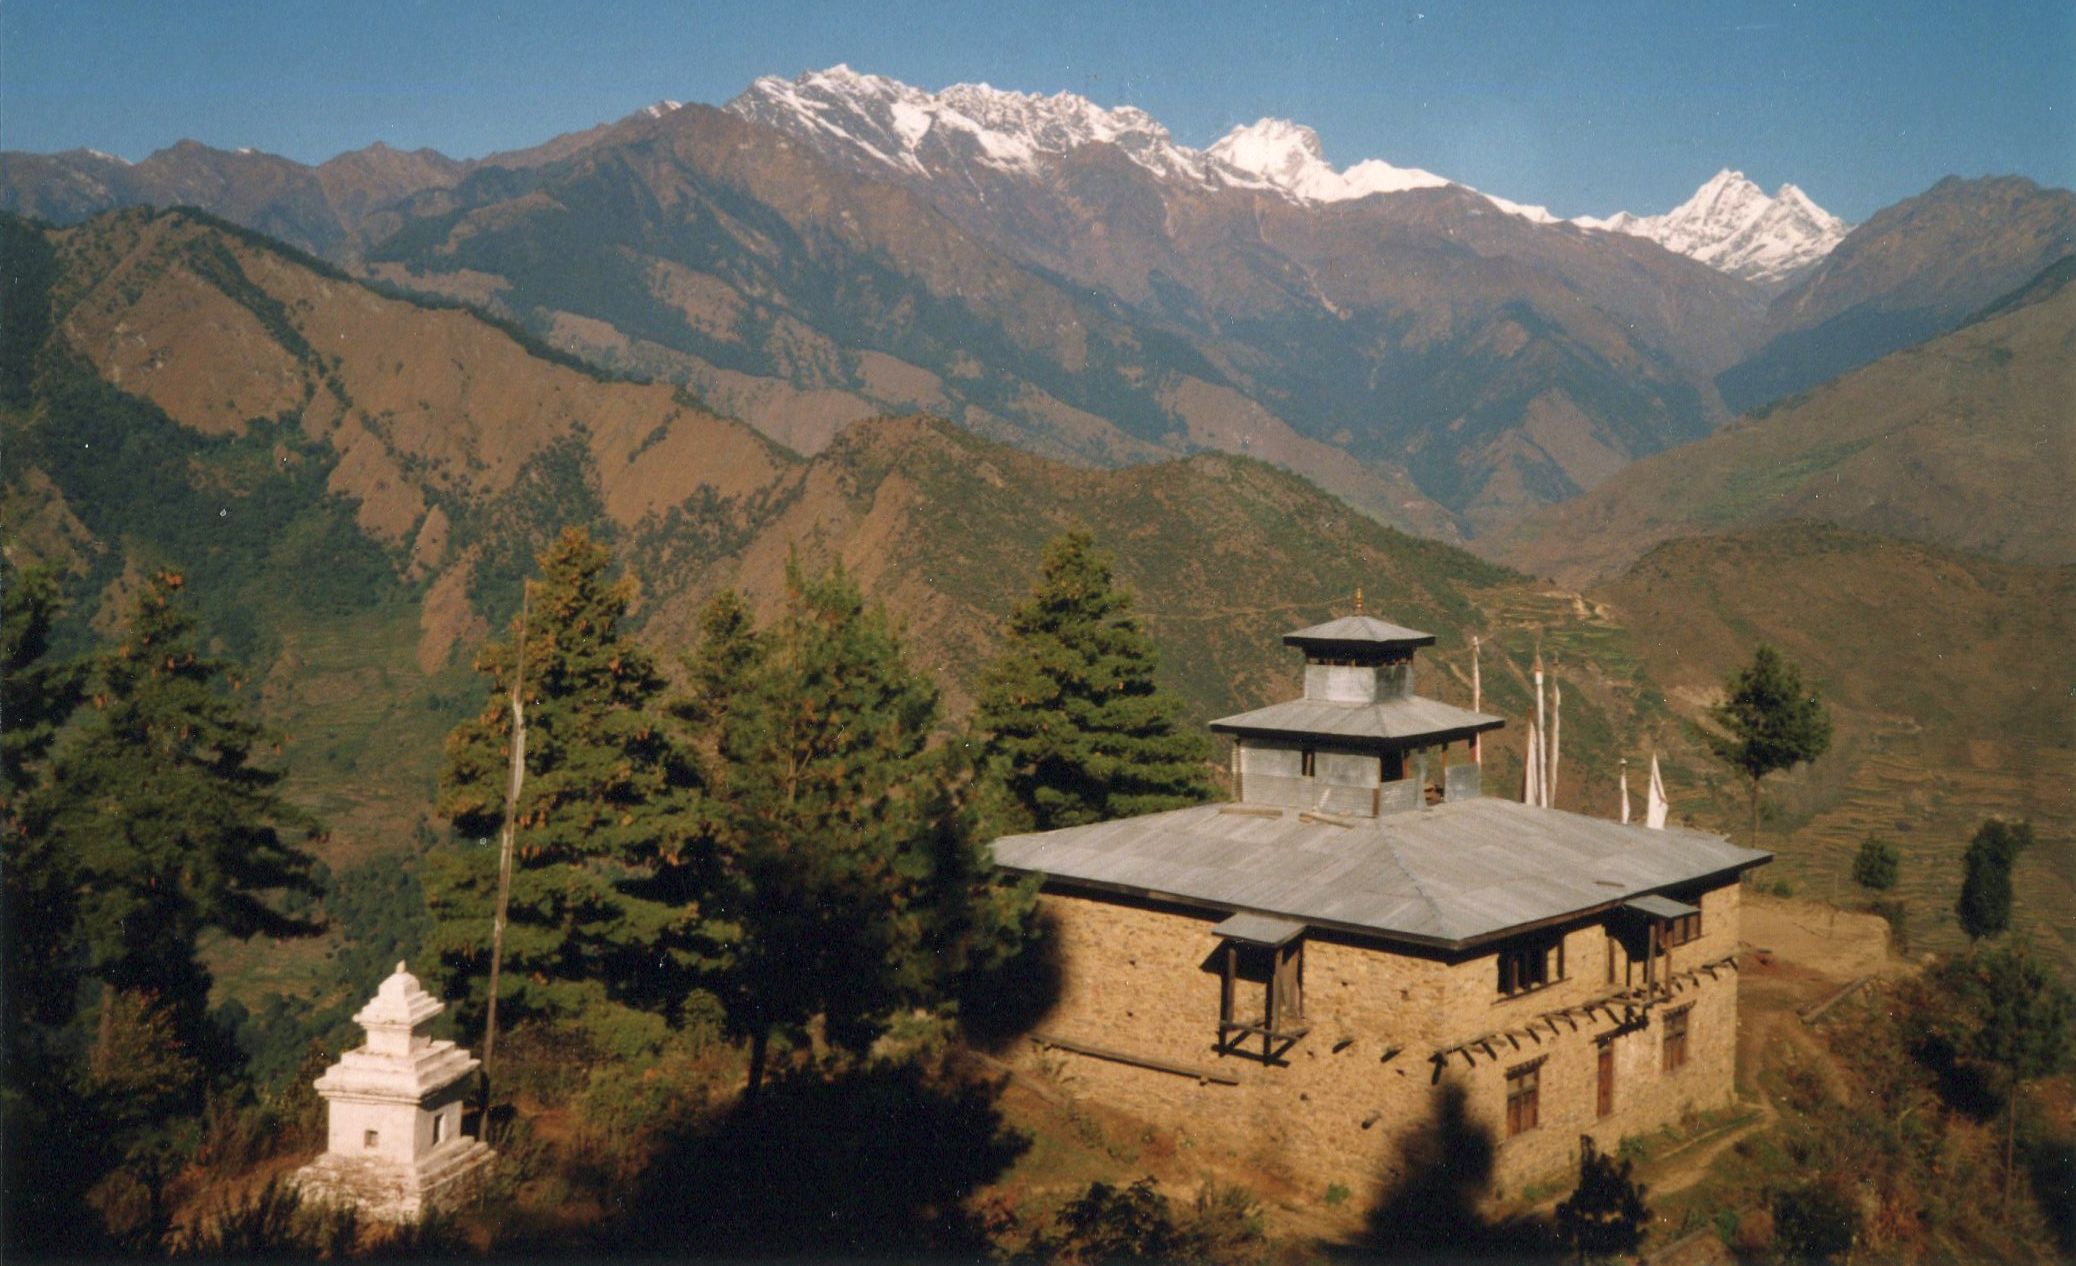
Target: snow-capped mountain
[1731, 224]
[872, 120]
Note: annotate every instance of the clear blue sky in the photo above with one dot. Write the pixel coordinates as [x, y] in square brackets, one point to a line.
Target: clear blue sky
[1585, 107]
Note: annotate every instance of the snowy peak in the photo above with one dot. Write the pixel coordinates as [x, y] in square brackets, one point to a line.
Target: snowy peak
[876, 121]
[1286, 156]
[1731, 224]
[885, 122]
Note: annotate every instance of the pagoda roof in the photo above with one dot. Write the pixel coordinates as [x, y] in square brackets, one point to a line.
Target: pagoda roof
[1448, 877]
[1352, 631]
[1389, 723]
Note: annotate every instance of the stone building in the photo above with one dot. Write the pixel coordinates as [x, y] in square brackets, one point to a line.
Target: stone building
[1297, 976]
[395, 1146]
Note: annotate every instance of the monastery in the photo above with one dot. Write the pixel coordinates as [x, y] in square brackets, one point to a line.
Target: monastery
[1296, 977]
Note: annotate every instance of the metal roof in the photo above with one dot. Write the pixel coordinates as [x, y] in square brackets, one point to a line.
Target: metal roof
[1448, 876]
[1359, 629]
[1661, 907]
[1389, 722]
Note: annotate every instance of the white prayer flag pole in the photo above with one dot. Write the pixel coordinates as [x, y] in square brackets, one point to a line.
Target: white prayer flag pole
[1655, 806]
[1477, 701]
[1556, 738]
[1625, 791]
[1532, 778]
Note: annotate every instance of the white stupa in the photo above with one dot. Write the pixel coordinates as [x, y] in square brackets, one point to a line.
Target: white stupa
[395, 1147]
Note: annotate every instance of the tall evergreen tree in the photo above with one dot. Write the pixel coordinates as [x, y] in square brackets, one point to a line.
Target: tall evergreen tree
[1985, 902]
[612, 856]
[1071, 709]
[37, 695]
[1770, 722]
[170, 819]
[861, 883]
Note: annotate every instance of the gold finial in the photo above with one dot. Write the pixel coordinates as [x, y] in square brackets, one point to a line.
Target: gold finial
[1358, 599]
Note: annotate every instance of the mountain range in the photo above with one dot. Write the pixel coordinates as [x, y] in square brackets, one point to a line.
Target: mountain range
[1070, 279]
[354, 483]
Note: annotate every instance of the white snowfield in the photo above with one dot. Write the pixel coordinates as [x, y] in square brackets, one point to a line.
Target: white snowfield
[1729, 224]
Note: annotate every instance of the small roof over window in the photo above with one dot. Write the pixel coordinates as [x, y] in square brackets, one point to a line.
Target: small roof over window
[1258, 929]
[1660, 907]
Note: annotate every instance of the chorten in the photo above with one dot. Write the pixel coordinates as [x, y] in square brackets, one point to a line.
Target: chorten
[395, 1146]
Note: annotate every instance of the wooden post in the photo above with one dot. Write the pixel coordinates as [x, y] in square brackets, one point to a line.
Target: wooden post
[1225, 993]
[1268, 1019]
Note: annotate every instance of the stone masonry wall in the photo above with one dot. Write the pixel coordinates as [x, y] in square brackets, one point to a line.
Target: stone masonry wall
[1144, 980]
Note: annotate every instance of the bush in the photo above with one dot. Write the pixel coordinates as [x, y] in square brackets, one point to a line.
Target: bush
[1814, 1223]
[1876, 865]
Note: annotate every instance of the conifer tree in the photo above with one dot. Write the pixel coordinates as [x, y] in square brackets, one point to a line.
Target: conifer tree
[1985, 902]
[172, 823]
[1072, 711]
[1770, 722]
[861, 885]
[612, 857]
[37, 695]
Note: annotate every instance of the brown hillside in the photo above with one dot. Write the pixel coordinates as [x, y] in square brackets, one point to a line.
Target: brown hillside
[1968, 440]
[1948, 679]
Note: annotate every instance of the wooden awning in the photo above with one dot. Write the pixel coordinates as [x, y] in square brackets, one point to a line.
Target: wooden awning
[1259, 929]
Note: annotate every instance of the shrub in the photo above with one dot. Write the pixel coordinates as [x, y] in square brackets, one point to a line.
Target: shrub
[1876, 865]
[1814, 1223]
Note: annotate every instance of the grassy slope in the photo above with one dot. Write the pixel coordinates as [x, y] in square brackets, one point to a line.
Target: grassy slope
[1963, 440]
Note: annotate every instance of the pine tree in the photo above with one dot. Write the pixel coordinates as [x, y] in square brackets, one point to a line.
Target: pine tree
[1770, 722]
[612, 857]
[1985, 902]
[2024, 1028]
[37, 884]
[171, 821]
[1071, 710]
[861, 883]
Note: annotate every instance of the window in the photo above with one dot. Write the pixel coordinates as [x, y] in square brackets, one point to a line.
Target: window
[1307, 762]
[1676, 1038]
[439, 1129]
[1529, 967]
[1606, 1103]
[370, 1138]
[1683, 929]
[1524, 1097]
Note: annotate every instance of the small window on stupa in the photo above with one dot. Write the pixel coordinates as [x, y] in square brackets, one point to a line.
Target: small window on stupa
[439, 1127]
[370, 1138]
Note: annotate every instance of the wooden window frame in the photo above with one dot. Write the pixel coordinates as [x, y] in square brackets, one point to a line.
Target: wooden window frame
[1526, 968]
[1604, 1082]
[1683, 929]
[1524, 1087]
[1676, 1034]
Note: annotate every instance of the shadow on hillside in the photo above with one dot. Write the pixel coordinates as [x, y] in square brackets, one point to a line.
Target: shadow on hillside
[878, 1162]
[2051, 1168]
[1433, 1211]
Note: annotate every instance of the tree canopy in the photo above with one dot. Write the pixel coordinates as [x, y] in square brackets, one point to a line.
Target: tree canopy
[1072, 711]
[164, 807]
[1770, 721]
[612, 853]
[860, 880]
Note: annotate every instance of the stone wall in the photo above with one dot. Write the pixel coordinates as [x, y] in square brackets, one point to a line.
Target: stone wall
[1143, 979]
